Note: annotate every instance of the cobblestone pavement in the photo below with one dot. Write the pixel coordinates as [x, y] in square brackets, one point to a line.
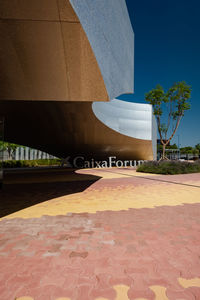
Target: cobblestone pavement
[96, 234]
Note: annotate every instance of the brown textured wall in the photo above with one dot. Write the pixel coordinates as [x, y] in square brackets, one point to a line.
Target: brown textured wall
[68, 128]
[45, 54]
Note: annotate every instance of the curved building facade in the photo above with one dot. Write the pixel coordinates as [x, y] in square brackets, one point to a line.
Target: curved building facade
[61, 50]
[61, 66]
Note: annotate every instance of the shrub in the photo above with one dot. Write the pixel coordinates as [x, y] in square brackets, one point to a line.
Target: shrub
[29, 163]
[169, 167]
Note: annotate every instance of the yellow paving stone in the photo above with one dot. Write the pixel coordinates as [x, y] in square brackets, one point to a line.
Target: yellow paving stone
[99, 198]
[121, 292]
[109, 173]
[24, 298]
[186, 283]
[63, 298]
[94, 201]
[159, 291]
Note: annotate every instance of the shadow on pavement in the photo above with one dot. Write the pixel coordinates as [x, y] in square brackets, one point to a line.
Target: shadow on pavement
[25, 188]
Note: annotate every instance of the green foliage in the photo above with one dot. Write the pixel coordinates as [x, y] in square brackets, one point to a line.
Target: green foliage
[174, 146]
[1, 145]
[30, 163]
[48, 162]
[195, 151]
[156, 97]
[176, 101]
[189, 150]
[10, 147]
[169, 167]
[179, 94]
[197, 147]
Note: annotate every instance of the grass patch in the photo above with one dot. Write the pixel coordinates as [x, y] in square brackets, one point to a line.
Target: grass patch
[169, 167]
[29, 163]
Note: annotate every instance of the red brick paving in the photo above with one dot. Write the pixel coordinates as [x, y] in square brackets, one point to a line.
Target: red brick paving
[83, 255]
[86, 254]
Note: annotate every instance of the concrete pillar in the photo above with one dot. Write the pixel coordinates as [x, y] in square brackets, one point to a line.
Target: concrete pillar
[39, 154]
[34, 154]
[31, 154]
[17, 154]
[21, 155]
[26, 153]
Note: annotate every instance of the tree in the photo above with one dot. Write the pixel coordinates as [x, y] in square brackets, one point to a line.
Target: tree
[4, 146]
[174, 103]
[1, 145]
[197, 147]
[189, 150]
[174, 147]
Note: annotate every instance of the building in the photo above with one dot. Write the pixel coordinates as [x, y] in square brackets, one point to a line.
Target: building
[62, 64]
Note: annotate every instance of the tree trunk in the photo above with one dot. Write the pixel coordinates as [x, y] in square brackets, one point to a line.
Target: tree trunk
[163, 157]
[163, 152]
[9, 154]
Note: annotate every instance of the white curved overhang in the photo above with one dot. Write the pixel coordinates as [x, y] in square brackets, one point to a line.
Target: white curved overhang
[130, 119]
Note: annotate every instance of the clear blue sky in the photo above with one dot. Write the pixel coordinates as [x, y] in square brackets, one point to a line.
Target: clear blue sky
[167, 50]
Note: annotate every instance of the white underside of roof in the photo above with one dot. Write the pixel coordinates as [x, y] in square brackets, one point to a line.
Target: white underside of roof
[130, 119]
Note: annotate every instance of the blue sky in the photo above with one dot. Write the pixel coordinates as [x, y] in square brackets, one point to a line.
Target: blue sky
[167, 50]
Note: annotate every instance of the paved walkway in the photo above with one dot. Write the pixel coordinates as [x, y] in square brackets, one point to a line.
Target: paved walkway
[110, 234]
